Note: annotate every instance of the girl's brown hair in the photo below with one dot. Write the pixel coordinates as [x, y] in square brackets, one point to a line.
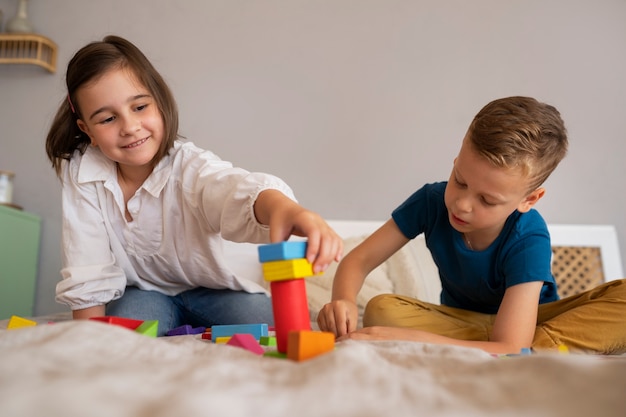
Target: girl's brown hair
[87, 65]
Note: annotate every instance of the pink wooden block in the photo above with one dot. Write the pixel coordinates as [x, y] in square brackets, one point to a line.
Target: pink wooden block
[246, 341]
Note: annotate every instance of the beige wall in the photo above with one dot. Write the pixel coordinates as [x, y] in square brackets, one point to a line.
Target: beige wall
[355, 103]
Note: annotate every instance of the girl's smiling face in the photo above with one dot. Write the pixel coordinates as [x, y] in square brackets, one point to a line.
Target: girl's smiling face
[122, 118]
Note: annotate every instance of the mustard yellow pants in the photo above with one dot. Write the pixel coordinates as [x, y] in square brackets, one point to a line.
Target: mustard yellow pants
[592, 322]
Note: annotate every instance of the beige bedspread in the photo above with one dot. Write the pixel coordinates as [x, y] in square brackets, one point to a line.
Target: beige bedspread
[96, 369]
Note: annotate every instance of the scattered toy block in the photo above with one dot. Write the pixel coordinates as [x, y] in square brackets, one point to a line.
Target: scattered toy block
[268, 341]
[186, 329]
[275, 354]
[282, 251]
[526, 351]
[17, 322]
[288, 269]
[305, 345]
[246, 341]
[222, 330]
[222, 339]
[290, 309]
[120, 321]
[149, 328]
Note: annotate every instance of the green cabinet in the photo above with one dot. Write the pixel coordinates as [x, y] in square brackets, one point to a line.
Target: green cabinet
[19, 255]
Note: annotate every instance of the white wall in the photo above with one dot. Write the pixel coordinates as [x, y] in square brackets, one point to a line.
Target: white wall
[355, 103]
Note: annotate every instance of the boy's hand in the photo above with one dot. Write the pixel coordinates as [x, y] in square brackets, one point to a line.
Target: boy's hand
[338, 317]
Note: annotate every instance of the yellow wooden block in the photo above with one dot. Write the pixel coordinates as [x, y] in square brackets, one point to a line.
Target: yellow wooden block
[288, 269]
[16, 322]
[307, 344]
[222, 339]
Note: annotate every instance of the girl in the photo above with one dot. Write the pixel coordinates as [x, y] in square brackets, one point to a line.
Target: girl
[144, 214]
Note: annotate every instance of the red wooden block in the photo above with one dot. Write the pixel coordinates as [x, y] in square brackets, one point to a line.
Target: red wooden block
[291, 310]
[120, 321]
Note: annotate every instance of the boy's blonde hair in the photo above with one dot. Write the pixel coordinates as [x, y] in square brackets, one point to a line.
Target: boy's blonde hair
[522, 133]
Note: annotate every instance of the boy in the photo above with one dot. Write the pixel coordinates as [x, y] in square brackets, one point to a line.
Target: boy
[491, 247]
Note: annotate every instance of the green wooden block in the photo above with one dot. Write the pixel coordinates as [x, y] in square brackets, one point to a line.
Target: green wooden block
[148, 328]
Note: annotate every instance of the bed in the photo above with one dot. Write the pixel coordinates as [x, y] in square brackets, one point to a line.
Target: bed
[89, 368]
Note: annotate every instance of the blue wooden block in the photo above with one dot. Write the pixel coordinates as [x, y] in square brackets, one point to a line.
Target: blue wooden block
[228, 330]
[282, 251]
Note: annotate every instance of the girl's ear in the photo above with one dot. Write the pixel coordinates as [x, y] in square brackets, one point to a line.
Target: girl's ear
[85, 129]
[531, 199]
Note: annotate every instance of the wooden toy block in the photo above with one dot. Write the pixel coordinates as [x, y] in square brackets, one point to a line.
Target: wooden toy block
[281, 251]
[183, 330]
[222, 339]
[17, 322]
[275, 354]
[120, 321]
[287, 269]
[290, 308]
[526, 351]
[256, 330]
[267, 341]
[305, 345]
[149, 328]
[246, 341]
[206, 336]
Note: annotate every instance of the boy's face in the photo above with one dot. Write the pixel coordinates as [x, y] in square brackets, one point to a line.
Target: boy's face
[479, 196]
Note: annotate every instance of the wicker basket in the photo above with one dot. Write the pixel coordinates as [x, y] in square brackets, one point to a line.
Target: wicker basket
[28, 48]
[576, 269]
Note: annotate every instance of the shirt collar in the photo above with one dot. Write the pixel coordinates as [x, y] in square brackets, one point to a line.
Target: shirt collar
[95, 166]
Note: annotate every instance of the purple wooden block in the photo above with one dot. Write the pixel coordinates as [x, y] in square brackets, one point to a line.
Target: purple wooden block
[186, 329]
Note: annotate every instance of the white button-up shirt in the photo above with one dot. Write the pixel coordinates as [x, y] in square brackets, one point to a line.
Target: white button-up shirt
[190, 201]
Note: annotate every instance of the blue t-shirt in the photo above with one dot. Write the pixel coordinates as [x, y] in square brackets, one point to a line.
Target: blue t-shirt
[476, 280]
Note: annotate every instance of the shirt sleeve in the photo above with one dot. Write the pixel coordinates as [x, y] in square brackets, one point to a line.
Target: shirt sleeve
[90, 274]
[225, 195]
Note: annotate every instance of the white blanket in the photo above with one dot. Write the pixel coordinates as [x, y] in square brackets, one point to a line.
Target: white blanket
[88, 368]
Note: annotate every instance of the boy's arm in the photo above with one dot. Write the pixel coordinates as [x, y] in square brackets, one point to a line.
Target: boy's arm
[513, 329]
[340, 315]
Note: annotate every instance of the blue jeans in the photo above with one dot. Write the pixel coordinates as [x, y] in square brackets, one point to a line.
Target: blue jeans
[198, 307]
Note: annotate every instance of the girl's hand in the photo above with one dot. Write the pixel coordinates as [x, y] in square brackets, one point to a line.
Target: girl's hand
[285, 218]
[338, 317]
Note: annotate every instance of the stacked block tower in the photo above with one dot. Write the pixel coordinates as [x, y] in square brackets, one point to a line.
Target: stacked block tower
[285, 267]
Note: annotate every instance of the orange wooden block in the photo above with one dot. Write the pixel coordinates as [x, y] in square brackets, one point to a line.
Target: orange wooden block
[306, 344]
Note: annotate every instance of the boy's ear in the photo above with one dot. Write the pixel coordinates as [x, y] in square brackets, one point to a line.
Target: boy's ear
[531, 199]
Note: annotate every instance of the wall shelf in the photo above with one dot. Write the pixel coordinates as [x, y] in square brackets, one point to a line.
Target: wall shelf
[28, 48]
